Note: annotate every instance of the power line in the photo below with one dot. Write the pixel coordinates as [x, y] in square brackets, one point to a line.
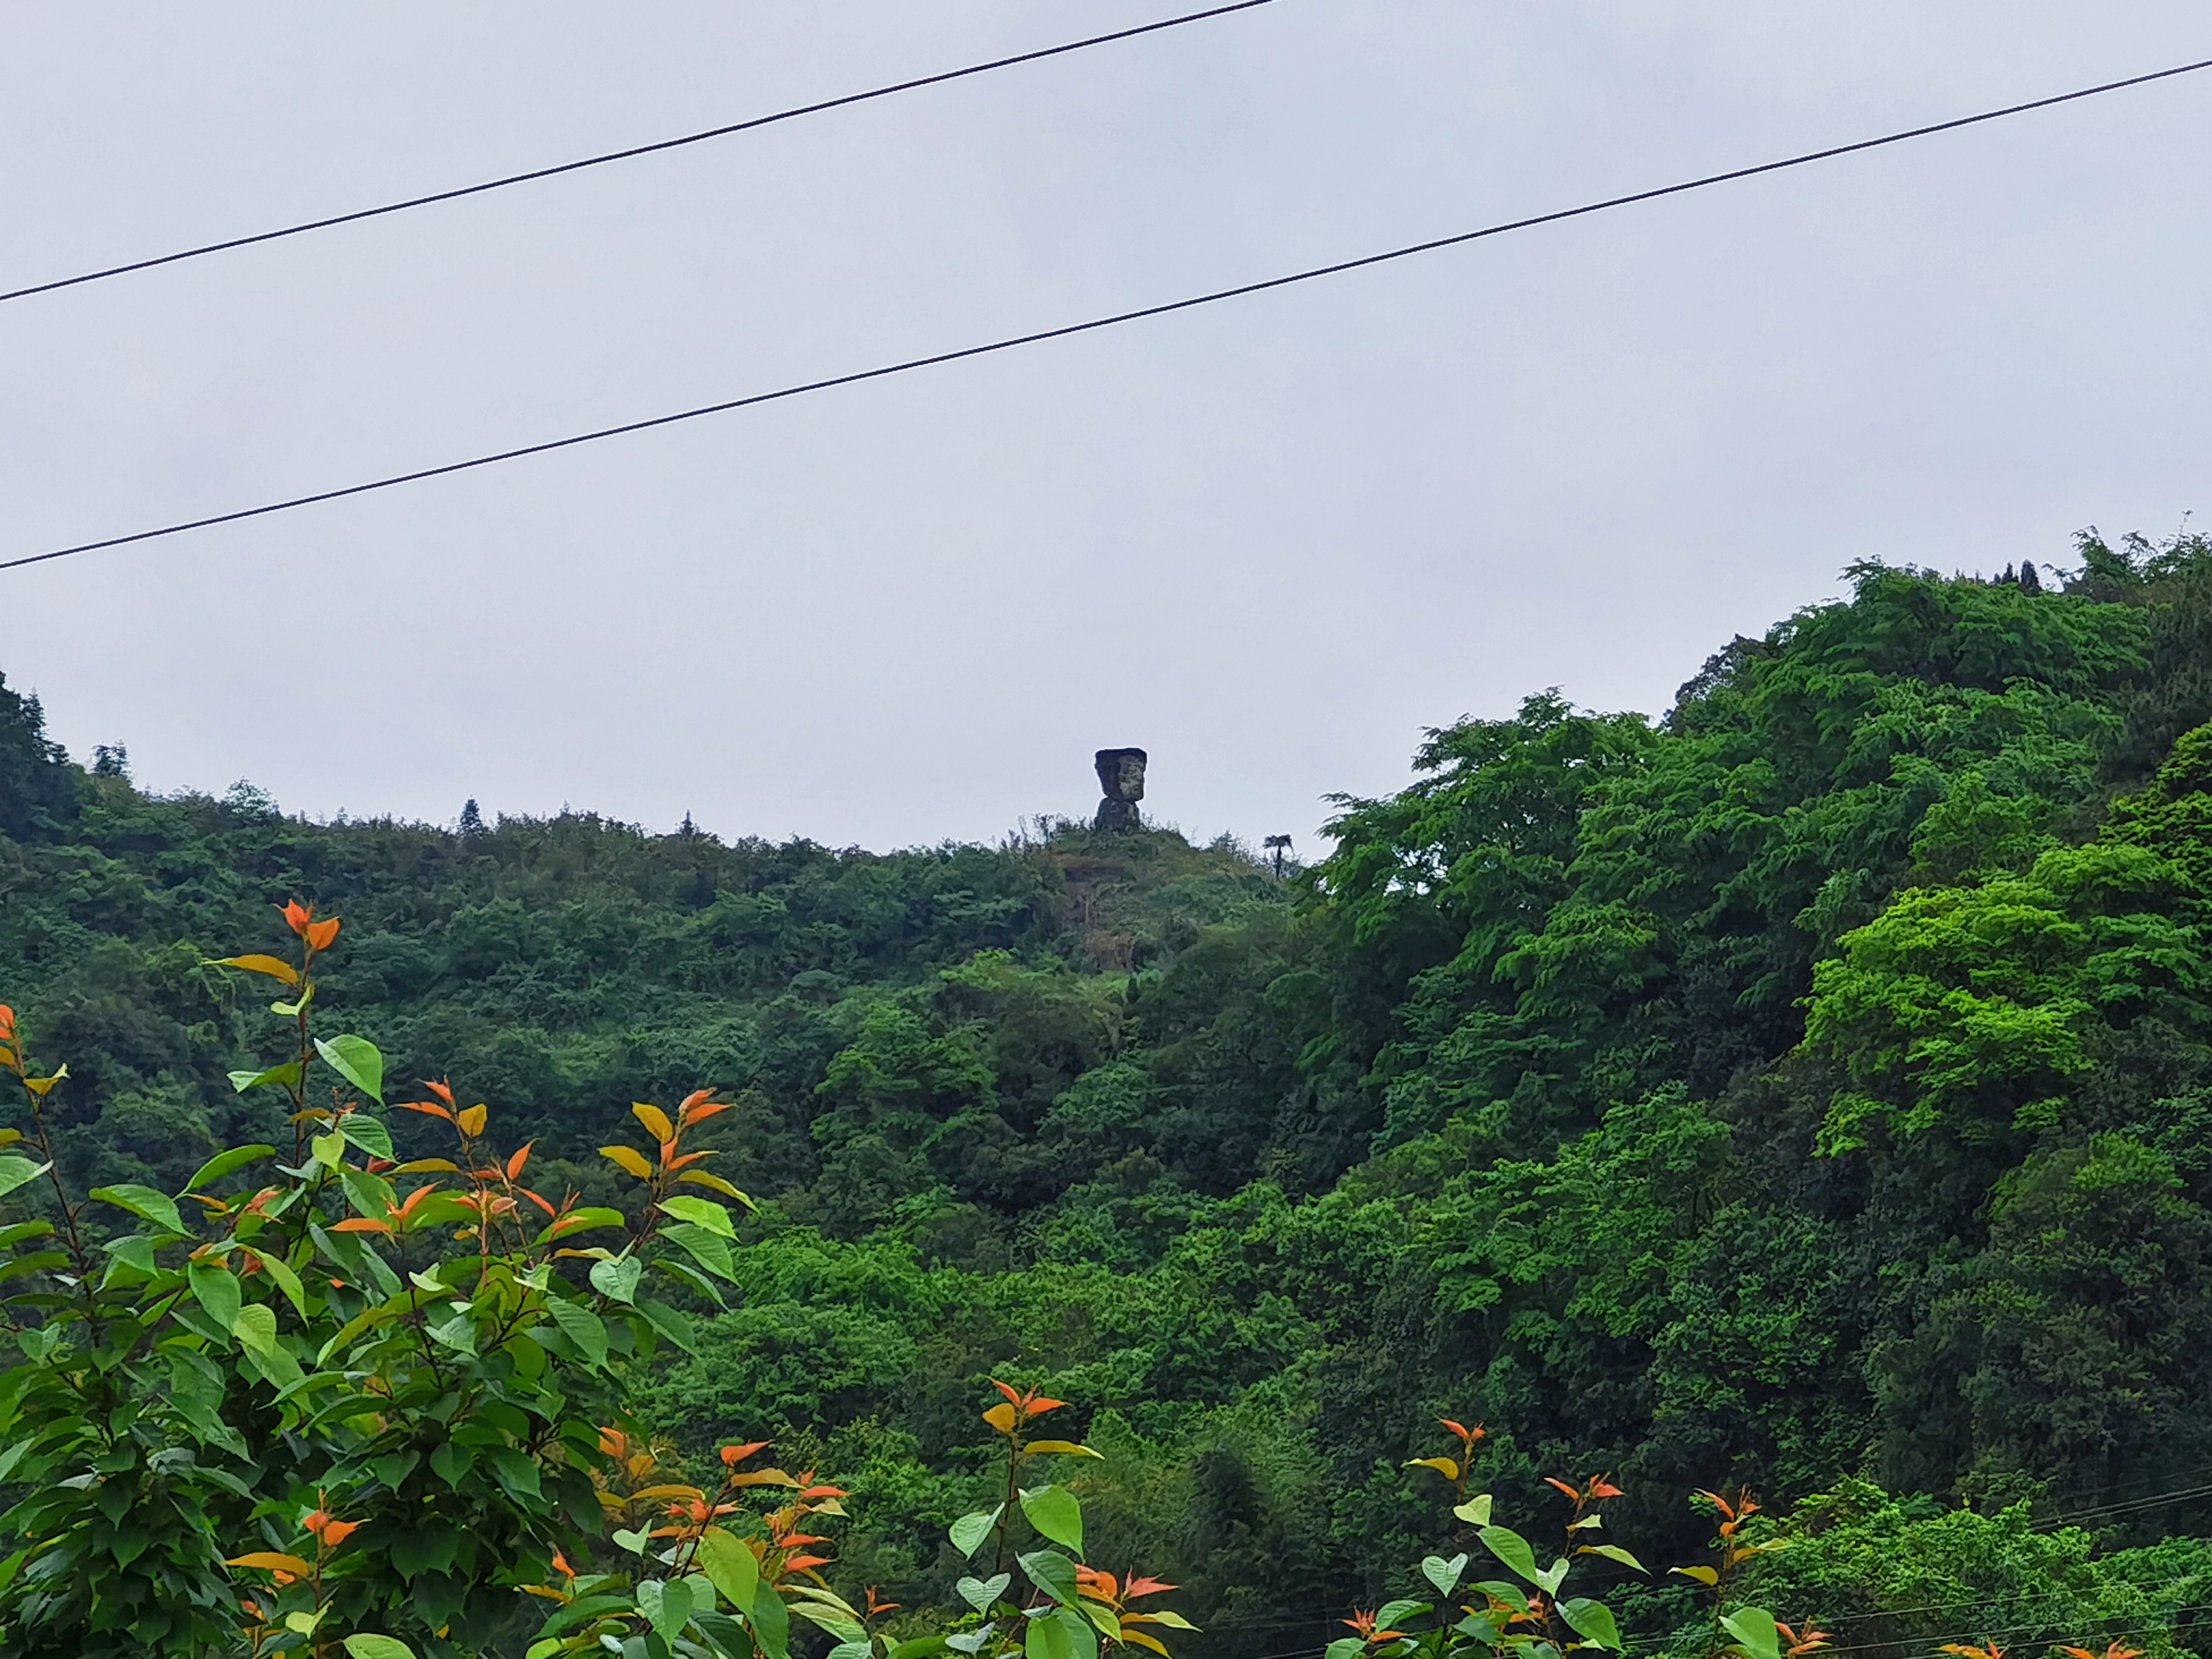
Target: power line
[2008, 1599]
[630, 154]
[1096, 323]
[2057, 1522]
[2106, 1510]
[1658, 1645]
[1608, 1578]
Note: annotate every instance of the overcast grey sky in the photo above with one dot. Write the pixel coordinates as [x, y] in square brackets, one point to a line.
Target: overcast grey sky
[1269, 541]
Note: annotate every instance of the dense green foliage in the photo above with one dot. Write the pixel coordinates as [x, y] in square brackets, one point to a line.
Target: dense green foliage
[1811, 1088]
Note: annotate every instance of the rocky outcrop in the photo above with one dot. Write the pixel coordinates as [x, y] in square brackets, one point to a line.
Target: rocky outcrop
[1121, 776]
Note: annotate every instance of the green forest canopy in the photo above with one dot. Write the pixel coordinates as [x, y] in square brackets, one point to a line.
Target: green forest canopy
[1811, 1088]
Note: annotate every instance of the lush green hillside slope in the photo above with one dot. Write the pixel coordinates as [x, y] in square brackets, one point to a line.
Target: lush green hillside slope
[1809, 1088]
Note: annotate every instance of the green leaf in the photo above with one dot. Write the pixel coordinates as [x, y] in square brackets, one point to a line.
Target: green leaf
[355, 1059]
[616, 1278]
[584, 1607]
[771, 1623]
[366, 1319]
[1054, 1511]
[456, 1331]
[710, 1250]
[284, 1076]
[1475, 1511]
[729, 1566]
[1053, 1573]
[135, 1254]
[451, 1461]
[371, 1195]
[378, 1647]
[329, 1150]
[1107, 1621]
[671, 1323]
[1390, 1612]
[141, 1201]
[1613, 1553]
[217, 1290]
[724, 1634]
[666, 1607]
[589, 1332]
[1591, 1621]
[255, 1328]
[841, 1624]
[1510, 1547]
[969, 1531]
[517, 1473]
[981, 1593]
[1443, 1574]
[1060, 1634]
[280, 1275]
[1753, 1629]
[223, 1162]
[371, 1134]
[701, 1213]
[17, 1171]
[689, 1277]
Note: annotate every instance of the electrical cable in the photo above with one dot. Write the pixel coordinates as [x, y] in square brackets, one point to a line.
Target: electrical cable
[2105, 1510]
[1603, 1580]
[2054, 1524]
[2000, 1599]
[1989, 1634]
[1113, 320]
[630, 154]
[1982, 1633]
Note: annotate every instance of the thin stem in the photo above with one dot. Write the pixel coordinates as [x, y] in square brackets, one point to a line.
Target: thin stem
[78, 1253]
[1013, 1493]
[54, 1173]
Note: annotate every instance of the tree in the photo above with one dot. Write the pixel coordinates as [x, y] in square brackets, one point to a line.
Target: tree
[35, 793]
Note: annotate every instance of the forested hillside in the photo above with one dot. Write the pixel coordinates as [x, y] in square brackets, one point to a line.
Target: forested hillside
[1810, 1088]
